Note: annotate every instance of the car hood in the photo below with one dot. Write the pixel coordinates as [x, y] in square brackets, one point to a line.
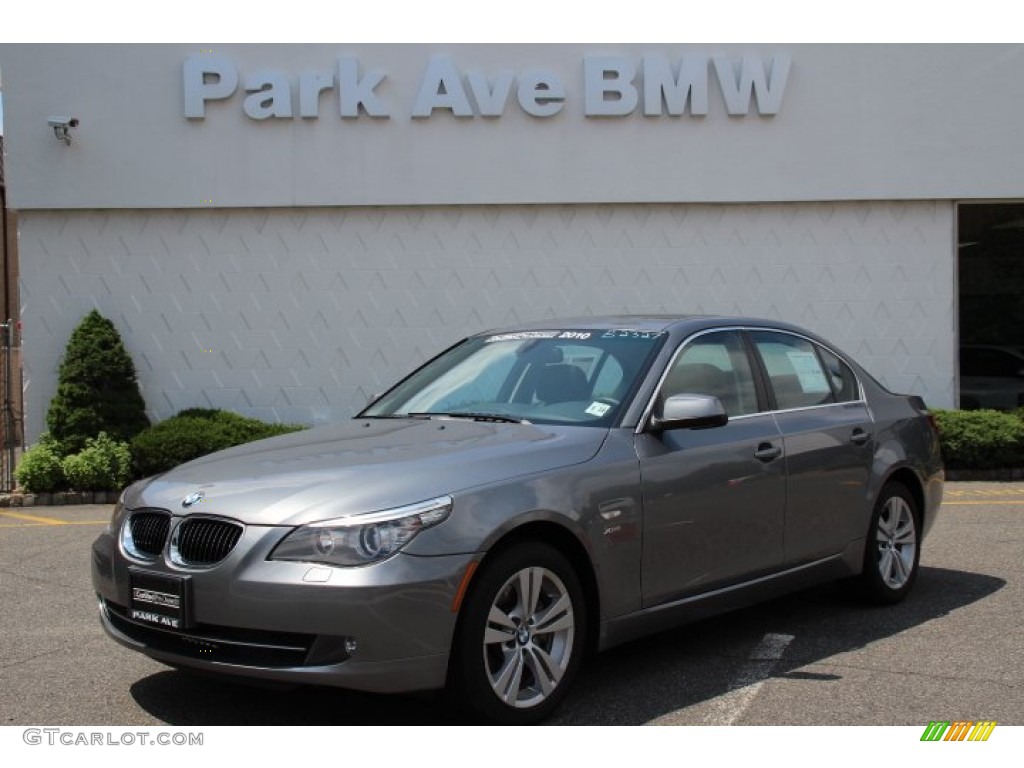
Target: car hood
[361, 466]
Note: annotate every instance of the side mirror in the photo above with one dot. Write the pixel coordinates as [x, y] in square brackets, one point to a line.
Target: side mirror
[689, 412]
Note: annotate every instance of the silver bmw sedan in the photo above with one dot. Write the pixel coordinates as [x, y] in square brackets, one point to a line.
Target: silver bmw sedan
[529, 496]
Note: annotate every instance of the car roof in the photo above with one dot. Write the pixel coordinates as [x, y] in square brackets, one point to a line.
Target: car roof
[681, 323]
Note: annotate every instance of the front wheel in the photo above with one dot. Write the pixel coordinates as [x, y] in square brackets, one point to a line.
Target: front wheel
[522, 635]
[893, 548]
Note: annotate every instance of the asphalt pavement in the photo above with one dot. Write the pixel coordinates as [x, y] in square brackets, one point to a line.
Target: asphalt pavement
[953, 651]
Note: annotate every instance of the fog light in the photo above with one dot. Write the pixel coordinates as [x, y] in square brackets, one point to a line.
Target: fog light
[350, 645]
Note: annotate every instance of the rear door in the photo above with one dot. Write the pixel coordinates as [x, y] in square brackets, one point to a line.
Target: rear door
[827, 434]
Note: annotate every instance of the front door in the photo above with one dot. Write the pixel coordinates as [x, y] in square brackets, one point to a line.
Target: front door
[714, 499]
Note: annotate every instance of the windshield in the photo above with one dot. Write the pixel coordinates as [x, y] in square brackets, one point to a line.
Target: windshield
[556, 376]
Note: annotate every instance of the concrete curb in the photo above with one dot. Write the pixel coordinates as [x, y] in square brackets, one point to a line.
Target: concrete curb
[983, 475]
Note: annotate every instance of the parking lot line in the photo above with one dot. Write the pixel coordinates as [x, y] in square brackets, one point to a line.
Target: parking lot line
[729, 707]
[983, 492]
[33, 521]
[34, 518]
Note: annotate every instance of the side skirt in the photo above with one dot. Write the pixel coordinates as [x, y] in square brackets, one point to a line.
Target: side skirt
[658, 618]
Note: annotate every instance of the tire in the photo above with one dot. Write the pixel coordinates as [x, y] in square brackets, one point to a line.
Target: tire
[893, 547]
[521, 637]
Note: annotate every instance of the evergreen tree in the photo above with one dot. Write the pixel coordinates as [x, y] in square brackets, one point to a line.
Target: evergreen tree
[97, 390]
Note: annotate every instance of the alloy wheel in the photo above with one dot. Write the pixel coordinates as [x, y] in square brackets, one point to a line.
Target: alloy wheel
[528, 639]
[897, 542]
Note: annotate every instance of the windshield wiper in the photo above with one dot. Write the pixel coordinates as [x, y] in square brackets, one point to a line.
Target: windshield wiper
[491, 417]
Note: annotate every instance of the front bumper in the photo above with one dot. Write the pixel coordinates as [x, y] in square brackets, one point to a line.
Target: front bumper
[382, 628]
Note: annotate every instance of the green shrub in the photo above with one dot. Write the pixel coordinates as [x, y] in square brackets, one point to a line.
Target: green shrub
[40, 470]
[97, 389]
[103, 465]
[196, 432]
[981, 439]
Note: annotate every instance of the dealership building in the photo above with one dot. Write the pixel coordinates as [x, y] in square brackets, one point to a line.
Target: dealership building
[282, 230]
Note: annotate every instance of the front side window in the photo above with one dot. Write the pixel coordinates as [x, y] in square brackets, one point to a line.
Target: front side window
[715, 364]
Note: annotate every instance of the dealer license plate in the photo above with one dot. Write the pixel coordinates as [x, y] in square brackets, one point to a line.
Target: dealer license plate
[158, 599]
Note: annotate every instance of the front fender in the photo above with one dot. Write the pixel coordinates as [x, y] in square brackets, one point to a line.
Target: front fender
[597, 502]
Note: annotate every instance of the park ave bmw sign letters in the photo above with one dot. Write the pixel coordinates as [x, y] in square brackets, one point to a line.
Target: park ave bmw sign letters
[612, 86]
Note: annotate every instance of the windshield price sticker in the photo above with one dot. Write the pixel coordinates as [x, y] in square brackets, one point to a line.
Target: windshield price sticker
[523, 335]
[623, 333]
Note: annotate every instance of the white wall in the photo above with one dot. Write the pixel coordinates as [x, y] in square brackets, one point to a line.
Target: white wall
[855, 122]
[299, 315]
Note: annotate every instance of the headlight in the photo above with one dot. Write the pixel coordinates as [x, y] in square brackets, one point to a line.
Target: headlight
[361, 539]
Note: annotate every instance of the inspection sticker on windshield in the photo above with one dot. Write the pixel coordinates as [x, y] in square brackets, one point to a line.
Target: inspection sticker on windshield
[598, 409]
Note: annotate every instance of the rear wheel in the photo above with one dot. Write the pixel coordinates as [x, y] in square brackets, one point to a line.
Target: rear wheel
[521, 637]
[893, 549]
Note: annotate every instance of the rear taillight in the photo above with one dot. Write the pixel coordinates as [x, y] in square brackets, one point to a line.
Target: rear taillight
[918, 402]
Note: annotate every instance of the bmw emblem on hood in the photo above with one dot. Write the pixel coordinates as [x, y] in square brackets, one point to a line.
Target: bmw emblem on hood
[193, 498]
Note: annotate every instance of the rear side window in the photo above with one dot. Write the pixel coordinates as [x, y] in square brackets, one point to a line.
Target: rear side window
[794, 370]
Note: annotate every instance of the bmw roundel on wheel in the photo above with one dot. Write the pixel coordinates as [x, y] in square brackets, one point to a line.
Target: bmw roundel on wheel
[528, 497]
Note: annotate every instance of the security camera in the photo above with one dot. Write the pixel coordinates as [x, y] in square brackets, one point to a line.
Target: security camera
[63, 122]
[61, 127]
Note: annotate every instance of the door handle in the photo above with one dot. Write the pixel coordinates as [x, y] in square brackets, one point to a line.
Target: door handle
[859, 436]
[767, 452]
